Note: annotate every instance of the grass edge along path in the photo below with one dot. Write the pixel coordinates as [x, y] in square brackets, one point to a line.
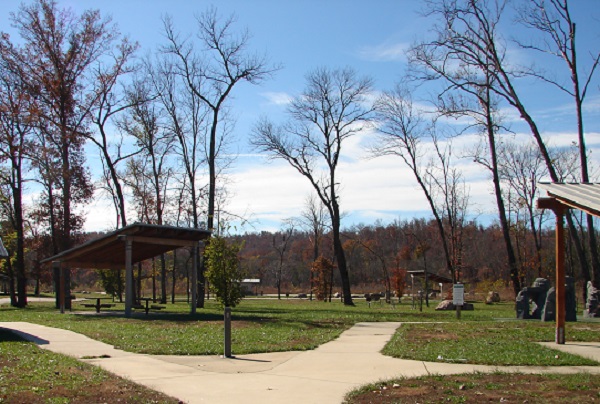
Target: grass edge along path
[295, 325]
[29, 374]
[496, 343]
[482, 387]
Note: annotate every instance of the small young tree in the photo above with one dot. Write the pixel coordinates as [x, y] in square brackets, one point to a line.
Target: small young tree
[399, 281]
[223, 272]
[322, 268]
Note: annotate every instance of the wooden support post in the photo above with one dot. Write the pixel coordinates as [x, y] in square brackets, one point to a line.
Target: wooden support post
[128, 277]
[560, 277]
[561, 311]
[194, 284]
[58, 270]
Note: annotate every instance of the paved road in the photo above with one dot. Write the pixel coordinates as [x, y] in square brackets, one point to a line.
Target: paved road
[323, 375]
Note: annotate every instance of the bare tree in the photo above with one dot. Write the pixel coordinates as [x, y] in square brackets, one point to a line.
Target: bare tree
[210, 77]
[329, 111]
[521, 168]
[112, 103]
[281, 247]
[553, 19]
[468, 45]
[453, 198]
[156, 144]
[402, 131]
[313, 219]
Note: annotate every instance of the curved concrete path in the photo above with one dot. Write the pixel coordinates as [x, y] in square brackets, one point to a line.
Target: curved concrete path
[323, 375]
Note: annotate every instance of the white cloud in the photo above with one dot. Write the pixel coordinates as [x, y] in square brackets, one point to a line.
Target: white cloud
[277, 98]
[385, 52]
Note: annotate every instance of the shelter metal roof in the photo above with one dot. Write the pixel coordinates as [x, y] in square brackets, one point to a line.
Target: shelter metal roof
[430, 276]
[582, 196]
[108, 252]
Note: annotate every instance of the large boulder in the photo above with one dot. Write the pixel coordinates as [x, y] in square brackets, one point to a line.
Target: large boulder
[549, 313]
[522, 304]
[592, 304]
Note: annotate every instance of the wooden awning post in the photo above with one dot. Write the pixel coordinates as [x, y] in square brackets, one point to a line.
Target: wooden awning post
[128, 277]
[559, 211]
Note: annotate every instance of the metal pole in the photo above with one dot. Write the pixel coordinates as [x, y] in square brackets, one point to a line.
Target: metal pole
[227, 318]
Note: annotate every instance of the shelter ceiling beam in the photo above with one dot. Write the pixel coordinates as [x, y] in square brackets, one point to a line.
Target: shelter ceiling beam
[161, 241]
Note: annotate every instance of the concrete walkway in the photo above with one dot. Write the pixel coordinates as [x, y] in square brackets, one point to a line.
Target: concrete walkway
[5, 301]
[323, 375]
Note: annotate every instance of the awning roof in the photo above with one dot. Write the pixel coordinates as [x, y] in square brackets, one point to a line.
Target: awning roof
[430, 276]
[585, 196]
[108, 252]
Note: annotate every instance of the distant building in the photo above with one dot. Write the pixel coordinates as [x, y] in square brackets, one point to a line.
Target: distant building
[248, 284]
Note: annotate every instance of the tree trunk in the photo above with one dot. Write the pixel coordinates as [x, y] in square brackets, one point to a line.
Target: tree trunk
[341, 261]
[20, 252]
[510, 253]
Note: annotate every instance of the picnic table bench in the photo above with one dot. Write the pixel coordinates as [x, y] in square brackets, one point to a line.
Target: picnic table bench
[147, 307]
[99, 304]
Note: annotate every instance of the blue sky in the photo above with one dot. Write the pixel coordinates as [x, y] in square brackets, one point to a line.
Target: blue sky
[368, 36]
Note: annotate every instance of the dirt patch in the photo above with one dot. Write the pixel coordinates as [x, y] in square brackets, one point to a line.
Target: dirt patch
[476, 388]
[428, 336]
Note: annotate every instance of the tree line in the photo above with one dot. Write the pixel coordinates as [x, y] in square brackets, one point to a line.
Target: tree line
[161, 126]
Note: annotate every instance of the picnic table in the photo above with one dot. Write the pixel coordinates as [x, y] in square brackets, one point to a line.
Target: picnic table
[147, 307]
[99, 304]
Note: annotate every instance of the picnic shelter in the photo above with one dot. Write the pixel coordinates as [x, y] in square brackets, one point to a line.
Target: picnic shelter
[123, 248]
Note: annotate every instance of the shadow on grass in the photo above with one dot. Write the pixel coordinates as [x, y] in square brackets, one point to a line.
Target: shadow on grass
[8, 335]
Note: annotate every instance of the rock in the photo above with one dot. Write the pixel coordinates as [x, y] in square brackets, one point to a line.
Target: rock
[549, 313]
[448, 305]
[522, 304]
[445, 305]
[592, 305]
[492, 297]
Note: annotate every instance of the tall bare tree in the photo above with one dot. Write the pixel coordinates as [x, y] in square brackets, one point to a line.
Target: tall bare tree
[280, 247]
[468, 40]
[521, 168]
[210, 76]
[156, 144]
[403, 130]
[553, 19]
[112, 102]
[331, 109]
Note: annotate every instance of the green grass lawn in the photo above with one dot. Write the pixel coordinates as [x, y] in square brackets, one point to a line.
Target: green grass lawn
[488, 343]
[29, 374]
[270, 325]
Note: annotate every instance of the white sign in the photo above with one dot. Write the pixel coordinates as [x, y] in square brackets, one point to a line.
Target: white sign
[458, 294]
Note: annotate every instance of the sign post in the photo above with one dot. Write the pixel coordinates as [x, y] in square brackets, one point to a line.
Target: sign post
[458, 297]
